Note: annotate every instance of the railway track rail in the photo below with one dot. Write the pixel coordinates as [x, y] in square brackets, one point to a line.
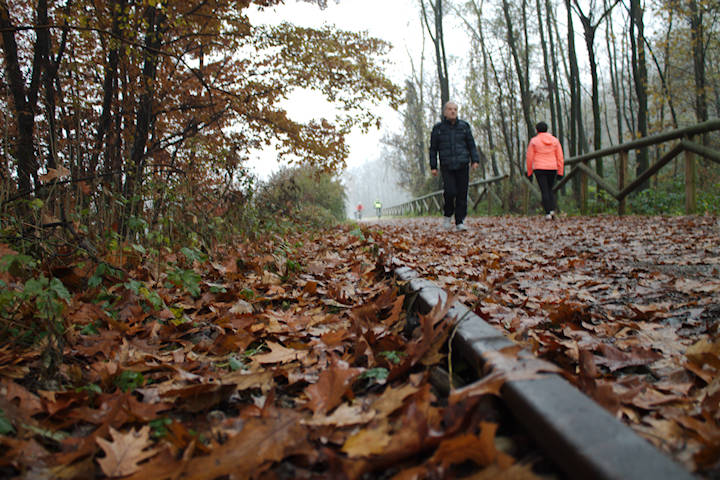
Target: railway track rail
[582, 439]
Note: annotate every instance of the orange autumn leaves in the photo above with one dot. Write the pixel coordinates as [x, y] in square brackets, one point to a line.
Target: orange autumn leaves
[270, 372]
[263, 372]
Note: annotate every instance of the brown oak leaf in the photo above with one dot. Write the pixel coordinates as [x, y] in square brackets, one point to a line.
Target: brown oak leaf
[125, 451]
[327, 393]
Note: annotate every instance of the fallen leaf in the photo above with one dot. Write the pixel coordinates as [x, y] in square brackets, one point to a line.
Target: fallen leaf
[279, 354]
[367, 442]
[344, 416]
[241, 306]
[260, 442]
[332, 384]
[615, 359]
[125, 451]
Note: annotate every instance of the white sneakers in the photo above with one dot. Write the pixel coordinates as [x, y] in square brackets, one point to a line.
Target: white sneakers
[449, 225]
[550, 216]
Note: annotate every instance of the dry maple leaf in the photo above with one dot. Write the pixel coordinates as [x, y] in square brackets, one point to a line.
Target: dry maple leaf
[615, 359]
[370, 441]
[343, 416]
[490, 384]
[327, 393]
[125, 451]
[261, 442]
[279, 354]
[480, 449]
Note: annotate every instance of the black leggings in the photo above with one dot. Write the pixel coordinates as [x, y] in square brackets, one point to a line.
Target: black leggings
[546, 181]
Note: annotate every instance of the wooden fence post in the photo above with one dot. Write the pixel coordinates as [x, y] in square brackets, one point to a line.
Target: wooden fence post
[489, 198]
[690, 183]
[621, 180]
[584, 191]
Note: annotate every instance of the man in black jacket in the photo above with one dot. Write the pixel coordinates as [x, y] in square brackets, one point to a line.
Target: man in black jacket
[452, 141]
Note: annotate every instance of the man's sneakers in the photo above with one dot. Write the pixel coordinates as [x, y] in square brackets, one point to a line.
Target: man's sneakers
[551, 215]
[449, 225]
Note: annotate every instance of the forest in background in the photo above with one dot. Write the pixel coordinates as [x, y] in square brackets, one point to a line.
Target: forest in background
[163, 313]
[135, 119]
[600, 73]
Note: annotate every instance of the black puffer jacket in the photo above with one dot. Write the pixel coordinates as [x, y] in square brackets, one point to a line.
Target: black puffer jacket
[453, 143]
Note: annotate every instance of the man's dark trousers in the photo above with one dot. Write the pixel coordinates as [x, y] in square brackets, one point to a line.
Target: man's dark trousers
[455, 185]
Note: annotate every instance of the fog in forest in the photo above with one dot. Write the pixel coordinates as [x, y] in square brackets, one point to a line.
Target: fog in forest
[374, 180]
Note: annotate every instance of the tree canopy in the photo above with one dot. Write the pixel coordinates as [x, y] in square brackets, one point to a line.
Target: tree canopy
[120, 92]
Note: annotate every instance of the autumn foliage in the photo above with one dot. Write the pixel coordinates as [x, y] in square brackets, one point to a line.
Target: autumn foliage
[126, 116]
[288, 359]
[299, 357]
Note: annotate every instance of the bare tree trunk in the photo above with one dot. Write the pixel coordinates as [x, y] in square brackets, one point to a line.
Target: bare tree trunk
[546, 66]
[639, 70]
[522, 70]
[24, 99]
[629, 99]
[697, 36]
[664, 72]
[589, 29]
[556, 78]
[486, 59]
[438, 39]
[144, 115]
[614, 79]
[117, 8]
[579, 182]
[503, 119]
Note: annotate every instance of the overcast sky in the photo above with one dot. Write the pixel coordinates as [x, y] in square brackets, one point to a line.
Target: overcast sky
[395, 21]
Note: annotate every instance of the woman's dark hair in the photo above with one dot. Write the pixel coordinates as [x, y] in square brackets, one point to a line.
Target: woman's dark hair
[541, 127]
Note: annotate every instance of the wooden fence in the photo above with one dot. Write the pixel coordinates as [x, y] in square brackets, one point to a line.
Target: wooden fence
[683, 139]
[433, 201]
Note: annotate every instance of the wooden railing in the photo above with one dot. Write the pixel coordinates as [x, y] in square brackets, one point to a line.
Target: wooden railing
[685, 144]
[433, 201]
[579, 165]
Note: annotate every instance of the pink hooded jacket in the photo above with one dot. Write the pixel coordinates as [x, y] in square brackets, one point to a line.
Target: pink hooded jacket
[545, 153]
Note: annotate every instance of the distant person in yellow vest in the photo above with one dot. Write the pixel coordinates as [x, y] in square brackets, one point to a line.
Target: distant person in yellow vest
[378, 208]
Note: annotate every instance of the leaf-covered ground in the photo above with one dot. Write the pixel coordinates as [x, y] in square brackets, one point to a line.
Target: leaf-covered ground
[290, 358]
[293, 358]
[630, 306]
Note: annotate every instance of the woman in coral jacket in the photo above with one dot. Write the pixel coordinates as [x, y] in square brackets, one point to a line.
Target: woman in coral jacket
[545, 158]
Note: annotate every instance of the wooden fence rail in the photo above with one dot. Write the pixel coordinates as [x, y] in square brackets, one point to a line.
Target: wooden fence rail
[579, 165]
[685, 144]
[433, 201]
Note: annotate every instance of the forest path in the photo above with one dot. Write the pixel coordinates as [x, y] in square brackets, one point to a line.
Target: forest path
[293, 356]
[629, 306]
